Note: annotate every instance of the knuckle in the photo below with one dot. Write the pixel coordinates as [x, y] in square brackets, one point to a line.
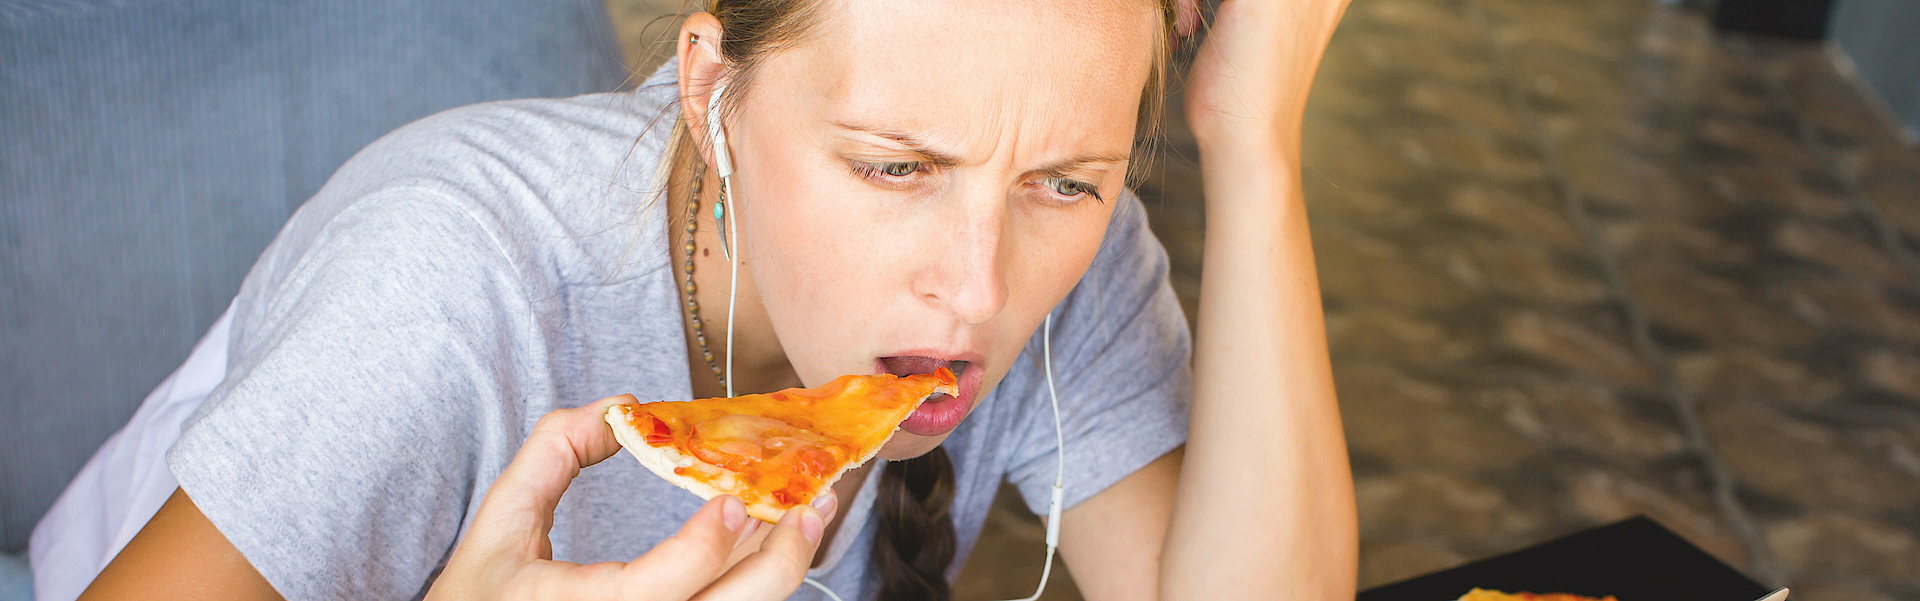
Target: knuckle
[790, 557]
[791, 570]
[702, 550]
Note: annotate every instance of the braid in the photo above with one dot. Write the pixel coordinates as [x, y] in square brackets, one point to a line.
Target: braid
[916, 542]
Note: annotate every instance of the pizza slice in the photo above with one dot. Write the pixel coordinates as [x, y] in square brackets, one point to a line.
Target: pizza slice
[1480, 594]
[778, 450]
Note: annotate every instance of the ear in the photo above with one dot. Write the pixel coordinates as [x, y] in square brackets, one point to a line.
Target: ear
[701, 69]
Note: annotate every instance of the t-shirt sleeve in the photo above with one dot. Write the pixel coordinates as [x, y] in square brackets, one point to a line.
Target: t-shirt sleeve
[1122, 369]
[362, 400]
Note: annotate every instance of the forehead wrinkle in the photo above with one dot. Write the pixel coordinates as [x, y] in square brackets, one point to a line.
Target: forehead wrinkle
[912, 141]
[1077, 162]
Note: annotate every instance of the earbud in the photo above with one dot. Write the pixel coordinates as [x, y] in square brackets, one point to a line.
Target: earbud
[717, 134]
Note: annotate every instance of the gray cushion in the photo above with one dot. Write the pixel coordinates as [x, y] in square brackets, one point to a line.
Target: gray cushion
[150, 150]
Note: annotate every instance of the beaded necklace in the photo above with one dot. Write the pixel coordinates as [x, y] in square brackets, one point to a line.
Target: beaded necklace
[693, 304]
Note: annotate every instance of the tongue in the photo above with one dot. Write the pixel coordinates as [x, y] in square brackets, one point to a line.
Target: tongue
[909, 366]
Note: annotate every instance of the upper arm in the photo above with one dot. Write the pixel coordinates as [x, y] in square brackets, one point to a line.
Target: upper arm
[179, 555]
[1112, 541]
[369, 398]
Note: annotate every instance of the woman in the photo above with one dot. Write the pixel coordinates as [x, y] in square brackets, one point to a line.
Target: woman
[918, 184]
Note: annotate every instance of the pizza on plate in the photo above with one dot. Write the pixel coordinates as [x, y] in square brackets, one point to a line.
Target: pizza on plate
[778, 450]
[1480, 594]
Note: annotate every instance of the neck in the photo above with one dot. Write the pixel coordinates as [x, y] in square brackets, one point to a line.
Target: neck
[759, 363]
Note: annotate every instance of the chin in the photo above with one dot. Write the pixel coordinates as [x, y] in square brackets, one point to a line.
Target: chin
[906, 446]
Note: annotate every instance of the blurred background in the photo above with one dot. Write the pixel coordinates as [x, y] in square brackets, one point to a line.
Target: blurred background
[1581, 259]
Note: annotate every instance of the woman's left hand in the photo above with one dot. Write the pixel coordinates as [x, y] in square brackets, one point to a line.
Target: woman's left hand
[1248, 85]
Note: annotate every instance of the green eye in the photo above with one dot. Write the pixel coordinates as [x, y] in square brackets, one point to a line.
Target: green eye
[1070, 188]
[899, 169]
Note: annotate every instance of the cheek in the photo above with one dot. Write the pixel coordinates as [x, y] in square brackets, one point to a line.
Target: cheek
[1053, 252]
[815, 275]
[811, 234]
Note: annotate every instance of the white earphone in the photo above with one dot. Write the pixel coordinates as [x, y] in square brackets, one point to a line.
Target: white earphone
[723, 165]
[717, 133]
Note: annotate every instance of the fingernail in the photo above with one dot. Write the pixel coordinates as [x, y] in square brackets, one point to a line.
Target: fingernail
[828, 505]
[812, 525]
[733, 513]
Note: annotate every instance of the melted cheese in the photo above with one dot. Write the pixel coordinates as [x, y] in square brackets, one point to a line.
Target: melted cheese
[784, 447]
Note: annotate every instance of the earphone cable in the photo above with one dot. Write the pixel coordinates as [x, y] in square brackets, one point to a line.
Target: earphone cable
[733, 283]
[1060, 453]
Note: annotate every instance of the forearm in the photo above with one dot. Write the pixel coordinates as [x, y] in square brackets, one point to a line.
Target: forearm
[1265, 505]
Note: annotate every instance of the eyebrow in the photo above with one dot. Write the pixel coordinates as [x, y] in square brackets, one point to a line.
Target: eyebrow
[1060, 168]
[936, 157]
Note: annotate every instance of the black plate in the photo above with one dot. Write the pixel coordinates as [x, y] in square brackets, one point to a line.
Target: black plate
[1633, 560]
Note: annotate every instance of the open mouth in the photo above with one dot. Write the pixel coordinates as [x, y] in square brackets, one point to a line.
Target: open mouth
[913, 366]
[941, 413]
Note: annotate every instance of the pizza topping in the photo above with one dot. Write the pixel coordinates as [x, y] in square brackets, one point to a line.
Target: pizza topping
[780, 448]
[659, 436]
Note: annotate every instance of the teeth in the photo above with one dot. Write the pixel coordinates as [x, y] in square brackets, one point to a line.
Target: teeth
[958, 367]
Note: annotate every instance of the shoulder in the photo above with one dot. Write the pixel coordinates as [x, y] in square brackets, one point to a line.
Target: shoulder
[544, 144]
[571, 160]
[561, 187]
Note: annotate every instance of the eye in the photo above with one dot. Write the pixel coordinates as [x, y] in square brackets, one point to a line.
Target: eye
[887, 171]
[1071, 188]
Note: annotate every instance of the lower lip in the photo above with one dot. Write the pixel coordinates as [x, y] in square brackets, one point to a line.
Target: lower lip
[943, 413]
[936, 416]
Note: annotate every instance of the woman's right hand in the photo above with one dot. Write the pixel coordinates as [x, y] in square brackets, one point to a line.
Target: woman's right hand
[506, 554]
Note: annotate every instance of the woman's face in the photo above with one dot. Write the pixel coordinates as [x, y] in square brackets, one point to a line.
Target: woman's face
[918, 183]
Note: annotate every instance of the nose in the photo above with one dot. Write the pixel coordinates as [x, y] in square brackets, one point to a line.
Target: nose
[963, 274]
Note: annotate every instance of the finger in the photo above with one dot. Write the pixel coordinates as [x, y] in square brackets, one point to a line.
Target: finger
[557, 580]
[776, 570]
[826, 503]
[674, 570]
[689, 560]
[521, 501]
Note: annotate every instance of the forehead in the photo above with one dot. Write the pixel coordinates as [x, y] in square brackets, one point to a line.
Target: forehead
[974, 69]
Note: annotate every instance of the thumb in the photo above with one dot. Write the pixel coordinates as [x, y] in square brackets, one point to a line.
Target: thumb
[519, 505]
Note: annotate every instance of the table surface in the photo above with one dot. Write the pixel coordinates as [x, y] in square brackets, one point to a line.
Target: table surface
[1633, 560]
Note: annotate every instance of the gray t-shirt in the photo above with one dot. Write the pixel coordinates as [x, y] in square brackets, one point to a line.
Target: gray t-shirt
[470, 272]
